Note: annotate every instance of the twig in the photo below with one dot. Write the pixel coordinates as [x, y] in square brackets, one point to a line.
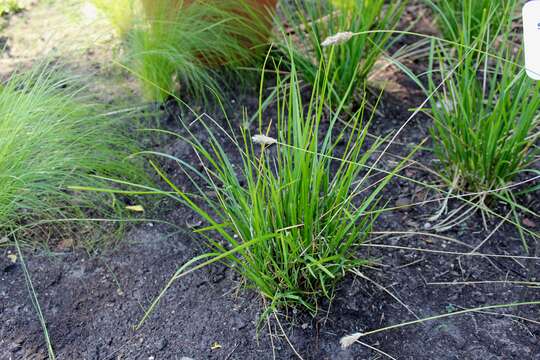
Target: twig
[286, 338]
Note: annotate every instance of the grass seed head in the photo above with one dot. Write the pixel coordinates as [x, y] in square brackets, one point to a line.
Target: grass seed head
[339, 38]
[349, 340]
[264, 140]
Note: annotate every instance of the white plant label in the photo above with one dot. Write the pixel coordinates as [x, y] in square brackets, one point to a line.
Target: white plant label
[531, 38]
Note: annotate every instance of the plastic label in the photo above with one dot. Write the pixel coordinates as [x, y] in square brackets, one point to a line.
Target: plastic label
[531, 38]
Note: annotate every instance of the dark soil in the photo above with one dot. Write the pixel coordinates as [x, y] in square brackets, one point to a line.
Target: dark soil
[92, 303]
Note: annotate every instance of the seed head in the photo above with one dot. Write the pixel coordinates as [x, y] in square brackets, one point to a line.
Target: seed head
[347, 341]
[263, 140]
[337, 39]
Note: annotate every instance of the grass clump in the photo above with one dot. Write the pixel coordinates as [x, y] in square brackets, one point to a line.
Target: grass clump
[10, 7]
[485, 117]
[120, 13]
[314, 21]
[292, 214]
[197, 44]
[485, 111]
[51, 139]
[464, 21]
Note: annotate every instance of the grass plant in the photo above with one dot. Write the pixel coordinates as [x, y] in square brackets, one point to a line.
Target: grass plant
[314, 21]
[464, 21]
[197, 45]
[50, 138]
[486, 118]
[121, 14]
[10, 7]
[290, 217]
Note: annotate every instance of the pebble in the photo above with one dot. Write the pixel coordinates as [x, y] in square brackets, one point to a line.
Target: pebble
[528, 222]
[403, 202]
[14, 347]
[162, 344]
[479, 297]
[239, 323]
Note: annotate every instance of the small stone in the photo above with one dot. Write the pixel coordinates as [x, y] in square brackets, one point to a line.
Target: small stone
[529, 223]
[411, 223]
[193, 225]
[403, 201]
[478, 297]
[305, 326]
[14, 347]
[239, 323]
[410, 173]
[427, 226]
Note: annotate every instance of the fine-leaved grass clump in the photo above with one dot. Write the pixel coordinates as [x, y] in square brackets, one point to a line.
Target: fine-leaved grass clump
[51, 139]
[197, 45]
[121, 13]
[463, 21]
[485, 116]
[291, 213]
[10, 7]
[313, 21]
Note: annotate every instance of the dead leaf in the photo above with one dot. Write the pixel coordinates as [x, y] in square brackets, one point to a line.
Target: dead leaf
[216, 346]
[135, 208]
[65, 244]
